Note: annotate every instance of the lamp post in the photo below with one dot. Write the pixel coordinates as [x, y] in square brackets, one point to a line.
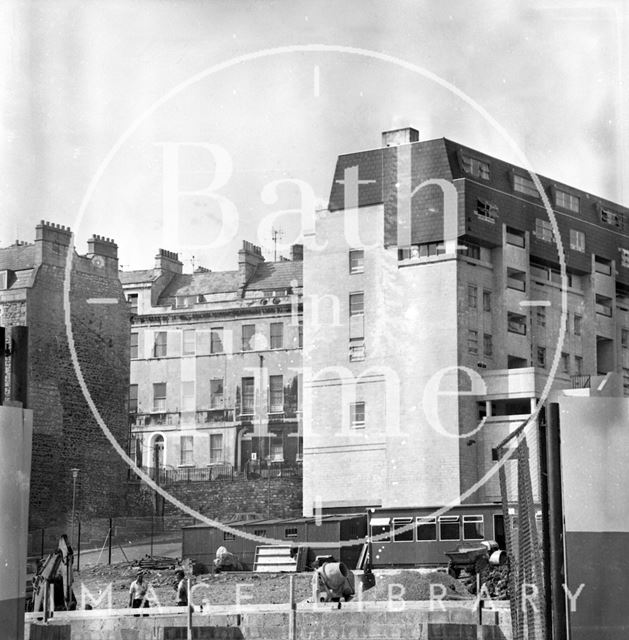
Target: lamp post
[75, 474]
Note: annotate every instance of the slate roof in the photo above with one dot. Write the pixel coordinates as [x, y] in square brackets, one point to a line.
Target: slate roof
[268, 275]
[276, 275]
[203, 283]
[17, 257]
[137, 277]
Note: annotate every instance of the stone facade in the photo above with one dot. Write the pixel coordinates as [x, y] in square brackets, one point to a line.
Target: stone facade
[65, 433]
[216, 363]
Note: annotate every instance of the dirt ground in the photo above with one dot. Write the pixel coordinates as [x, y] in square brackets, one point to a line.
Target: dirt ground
[249, 588]
[224, 588]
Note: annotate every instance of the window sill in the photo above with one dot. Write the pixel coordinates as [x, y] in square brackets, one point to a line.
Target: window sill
[483, 218]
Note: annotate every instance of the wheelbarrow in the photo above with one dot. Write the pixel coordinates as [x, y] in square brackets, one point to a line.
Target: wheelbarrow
[474, 559]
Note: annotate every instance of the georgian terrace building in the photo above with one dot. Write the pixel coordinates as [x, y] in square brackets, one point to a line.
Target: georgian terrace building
[215, 363]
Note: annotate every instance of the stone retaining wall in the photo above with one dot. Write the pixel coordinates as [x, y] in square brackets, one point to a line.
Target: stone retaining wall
[354, 621]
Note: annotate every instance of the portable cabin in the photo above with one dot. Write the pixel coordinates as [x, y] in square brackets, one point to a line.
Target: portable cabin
[415, 537]
[200, 542]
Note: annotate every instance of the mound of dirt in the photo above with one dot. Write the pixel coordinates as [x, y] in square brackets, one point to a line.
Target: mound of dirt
[216, 589]
[414, 585]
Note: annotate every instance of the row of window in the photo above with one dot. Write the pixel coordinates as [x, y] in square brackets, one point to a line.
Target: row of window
[524, 184]
[543, 274]
[189, 301]
[516, 323]
[422, 529]
[543, 231]
[472, 527]
[541, 361]
[289, 532]
[516, 237]
[188, 398]
[186, 449]
[564, 364]
[250, 340]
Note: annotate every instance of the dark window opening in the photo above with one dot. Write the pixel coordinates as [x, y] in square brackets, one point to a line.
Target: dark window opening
[516, 323]
[449, 528]
[515, 237]
[398, 534]
[473, 527]
[515, 362]
[426, 529]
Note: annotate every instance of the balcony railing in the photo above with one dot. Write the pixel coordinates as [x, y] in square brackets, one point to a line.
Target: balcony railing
[514, 283]
[215, 415]
[255, 469]
[155, 419]
[581, 381]
[223, 472]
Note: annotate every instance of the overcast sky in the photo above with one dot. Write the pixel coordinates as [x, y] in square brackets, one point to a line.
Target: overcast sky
[75, 75]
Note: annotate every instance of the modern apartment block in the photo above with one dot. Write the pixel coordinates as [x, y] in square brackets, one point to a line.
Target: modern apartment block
[216, 363]
[41, 375]
[433, 315]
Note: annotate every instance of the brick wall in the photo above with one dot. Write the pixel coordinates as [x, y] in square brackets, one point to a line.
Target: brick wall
[65, 433]
[222, 500]
[279, 498]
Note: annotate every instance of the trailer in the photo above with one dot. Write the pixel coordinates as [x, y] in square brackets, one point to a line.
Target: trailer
[416, 537]
[348, 531]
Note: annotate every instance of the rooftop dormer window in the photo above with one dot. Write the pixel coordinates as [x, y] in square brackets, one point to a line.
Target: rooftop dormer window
[612, 218]
[566, 200]
[486, 210]
[475, 166]
[525, 185]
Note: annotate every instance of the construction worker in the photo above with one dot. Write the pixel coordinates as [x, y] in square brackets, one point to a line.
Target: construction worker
[182, 589]
[137, 592]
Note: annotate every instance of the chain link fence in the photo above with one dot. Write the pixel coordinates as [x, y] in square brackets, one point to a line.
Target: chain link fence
[520, 485]
[112, 540]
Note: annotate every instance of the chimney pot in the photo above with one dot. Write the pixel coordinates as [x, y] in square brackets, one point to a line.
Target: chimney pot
[396, 137]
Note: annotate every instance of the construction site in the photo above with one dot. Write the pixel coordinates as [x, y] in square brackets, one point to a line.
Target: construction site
[214, 455]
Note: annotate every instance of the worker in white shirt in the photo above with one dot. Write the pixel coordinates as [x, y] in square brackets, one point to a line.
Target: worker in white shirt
[137, 592]
[182, 589]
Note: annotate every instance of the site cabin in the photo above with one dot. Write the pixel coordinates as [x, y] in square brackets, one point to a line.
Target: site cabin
[425, 543]
[200, 542]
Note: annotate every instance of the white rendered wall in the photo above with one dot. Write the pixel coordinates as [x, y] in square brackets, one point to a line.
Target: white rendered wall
[16, 431]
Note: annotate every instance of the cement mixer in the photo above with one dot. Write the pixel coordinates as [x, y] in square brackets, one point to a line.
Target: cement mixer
[334, 581]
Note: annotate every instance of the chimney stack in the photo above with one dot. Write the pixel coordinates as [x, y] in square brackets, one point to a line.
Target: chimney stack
[100, 246]
[297, 252]
[168, 261]
[396, 137]
[52, 242]
[249, 257]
